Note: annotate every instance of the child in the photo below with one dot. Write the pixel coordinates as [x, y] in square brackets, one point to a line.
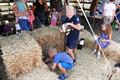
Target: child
[31, 17]
[72, 21]
[61, 60]
[104, 39]
[54, 17]
[109, 12]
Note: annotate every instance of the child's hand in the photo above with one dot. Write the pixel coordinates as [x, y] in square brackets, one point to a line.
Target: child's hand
[51, 69]
[68, 24]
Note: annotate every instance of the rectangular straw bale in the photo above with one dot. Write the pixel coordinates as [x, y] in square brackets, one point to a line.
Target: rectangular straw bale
[47, 36]
[38, 74]
[21, 54]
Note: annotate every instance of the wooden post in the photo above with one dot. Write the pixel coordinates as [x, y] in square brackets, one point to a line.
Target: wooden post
[93, 7]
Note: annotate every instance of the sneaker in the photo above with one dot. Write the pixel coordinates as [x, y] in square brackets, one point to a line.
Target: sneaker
[117, 65]
[74, 61]
[66, 76]
[61, 77]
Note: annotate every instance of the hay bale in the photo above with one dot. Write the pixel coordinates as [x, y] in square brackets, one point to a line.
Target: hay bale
[38, 74]
[89, 39]
[47, 36]
[112, 51]
[21, 54]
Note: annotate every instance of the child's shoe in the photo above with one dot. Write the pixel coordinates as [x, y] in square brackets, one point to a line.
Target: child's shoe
[63, 76]
[66, 76]
[74, 61]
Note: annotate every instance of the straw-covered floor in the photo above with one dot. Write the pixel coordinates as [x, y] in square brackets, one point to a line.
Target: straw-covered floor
[88, 67]
[22, 56]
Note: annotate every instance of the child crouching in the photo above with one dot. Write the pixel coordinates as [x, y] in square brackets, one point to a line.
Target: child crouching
[61, 60]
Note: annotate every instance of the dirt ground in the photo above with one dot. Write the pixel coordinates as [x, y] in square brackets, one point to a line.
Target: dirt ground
[89, 68]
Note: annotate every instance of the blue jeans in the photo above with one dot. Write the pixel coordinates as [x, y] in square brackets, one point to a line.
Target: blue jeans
[24, 24]
[118, 16]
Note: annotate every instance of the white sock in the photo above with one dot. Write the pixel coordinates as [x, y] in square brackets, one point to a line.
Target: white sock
[98, 55]
[94, 51]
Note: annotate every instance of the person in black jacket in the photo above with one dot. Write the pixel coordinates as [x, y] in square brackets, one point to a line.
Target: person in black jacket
[41, 11]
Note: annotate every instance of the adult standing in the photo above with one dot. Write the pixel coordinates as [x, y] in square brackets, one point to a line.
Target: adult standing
[109, 12]
[41, 11]
[21, 13]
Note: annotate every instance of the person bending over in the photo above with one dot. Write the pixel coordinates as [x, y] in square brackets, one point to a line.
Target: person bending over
[61, 60]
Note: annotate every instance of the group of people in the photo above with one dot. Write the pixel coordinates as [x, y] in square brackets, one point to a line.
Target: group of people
[65, 60]
[37, 14]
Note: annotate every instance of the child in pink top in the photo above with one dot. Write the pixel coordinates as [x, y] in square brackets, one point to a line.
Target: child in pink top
[31, 17]
[54, 17]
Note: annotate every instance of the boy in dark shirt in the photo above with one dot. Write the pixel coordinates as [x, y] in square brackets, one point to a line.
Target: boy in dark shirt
[61, 60]
[73, 22]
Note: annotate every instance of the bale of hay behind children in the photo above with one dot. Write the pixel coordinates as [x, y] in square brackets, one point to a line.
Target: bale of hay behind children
[47, 36]
[112, 51]
[21, 54]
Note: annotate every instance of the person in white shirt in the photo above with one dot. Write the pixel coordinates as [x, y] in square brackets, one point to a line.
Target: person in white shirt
[100, 7]
[109, 12]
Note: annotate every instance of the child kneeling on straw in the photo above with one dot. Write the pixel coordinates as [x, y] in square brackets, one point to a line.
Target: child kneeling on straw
[104, 39]
[61, 60]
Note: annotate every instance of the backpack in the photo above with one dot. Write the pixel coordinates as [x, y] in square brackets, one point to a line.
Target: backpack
[7, 29]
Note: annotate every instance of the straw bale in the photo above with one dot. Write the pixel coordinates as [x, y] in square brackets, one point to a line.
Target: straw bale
[112, 51]
[21, 54]
[47, 36]
[89, 39]
[38, 74]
